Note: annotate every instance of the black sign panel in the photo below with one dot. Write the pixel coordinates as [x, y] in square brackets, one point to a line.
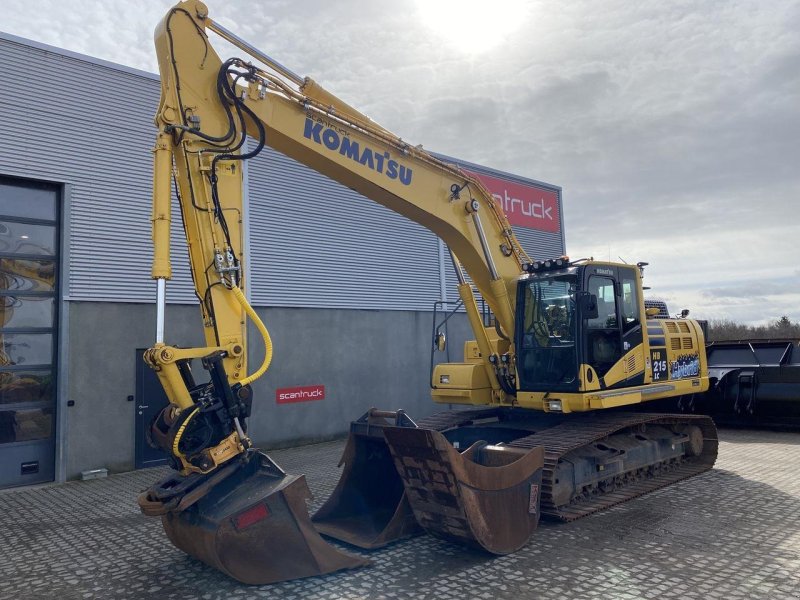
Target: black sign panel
[660, 366]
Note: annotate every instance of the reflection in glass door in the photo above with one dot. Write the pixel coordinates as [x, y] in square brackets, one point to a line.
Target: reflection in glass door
[28, 327]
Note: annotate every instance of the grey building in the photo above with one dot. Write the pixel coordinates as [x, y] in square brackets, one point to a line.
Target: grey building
[345, 286]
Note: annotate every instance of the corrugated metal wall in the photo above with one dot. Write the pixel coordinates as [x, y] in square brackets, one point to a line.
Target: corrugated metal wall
[90, 126]
[314, 242]
[317, 243]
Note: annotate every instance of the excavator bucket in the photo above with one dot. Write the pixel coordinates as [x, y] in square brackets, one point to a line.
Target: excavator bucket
[400, 480]
[249, 521]
[368, 508]
[486, 497]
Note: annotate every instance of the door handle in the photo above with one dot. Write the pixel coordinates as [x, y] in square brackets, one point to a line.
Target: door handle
[144, 406]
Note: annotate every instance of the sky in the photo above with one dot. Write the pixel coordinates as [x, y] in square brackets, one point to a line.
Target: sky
[672, 127]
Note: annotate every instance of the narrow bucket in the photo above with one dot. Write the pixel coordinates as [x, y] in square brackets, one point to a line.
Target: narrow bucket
[368, 508]
[253, 525]
[486, 497]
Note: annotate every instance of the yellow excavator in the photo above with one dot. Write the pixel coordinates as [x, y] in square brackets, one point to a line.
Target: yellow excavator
[542, 421]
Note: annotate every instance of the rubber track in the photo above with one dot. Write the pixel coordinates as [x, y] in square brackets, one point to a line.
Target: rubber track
[582, 430]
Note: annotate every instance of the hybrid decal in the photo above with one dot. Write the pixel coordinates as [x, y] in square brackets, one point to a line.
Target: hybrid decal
[335, 138]
[687, 365]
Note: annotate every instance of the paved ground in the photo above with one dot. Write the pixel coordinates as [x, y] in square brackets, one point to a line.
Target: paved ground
[731, 533]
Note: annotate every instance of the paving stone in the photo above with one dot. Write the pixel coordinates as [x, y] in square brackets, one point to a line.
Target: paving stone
[731, 533]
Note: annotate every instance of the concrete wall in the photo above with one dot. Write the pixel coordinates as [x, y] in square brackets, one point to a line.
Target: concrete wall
[363, 358]
[101, 367]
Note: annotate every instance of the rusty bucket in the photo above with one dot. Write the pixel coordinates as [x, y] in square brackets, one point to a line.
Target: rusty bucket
[252, 524]
[368, 508]
[486, 497]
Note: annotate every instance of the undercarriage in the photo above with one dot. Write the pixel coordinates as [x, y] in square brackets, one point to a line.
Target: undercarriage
[484, 477]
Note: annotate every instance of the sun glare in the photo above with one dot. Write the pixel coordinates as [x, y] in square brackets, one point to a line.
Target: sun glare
[472, 26]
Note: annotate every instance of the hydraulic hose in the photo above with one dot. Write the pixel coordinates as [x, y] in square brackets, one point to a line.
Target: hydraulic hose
[176, 442]
[239, 295]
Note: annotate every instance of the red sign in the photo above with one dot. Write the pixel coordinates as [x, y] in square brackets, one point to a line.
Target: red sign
[525, 205]
[305, 393]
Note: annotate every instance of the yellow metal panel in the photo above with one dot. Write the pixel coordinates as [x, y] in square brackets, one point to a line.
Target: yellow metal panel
[471, 397]
[471, 351]
[630, 365]
[461, 383]
[589, 379]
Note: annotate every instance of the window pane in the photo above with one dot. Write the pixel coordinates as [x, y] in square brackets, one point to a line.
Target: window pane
[29, 202]
[26, 349]
[630, 305]
[24, 425]
[603, 289]
[26, 386]
[24, 238]
[27, 275]
[19, 311]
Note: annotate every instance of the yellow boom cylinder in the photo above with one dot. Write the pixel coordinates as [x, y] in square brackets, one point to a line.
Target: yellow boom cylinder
[162, 206]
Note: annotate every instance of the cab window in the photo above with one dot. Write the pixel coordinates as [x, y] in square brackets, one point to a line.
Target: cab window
[603, 289]
[629, 309]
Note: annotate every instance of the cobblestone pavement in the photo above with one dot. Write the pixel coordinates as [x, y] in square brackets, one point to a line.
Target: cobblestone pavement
[733, 532]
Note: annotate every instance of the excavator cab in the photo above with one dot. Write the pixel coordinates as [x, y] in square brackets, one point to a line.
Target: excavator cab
[547, 335]
[577, 319]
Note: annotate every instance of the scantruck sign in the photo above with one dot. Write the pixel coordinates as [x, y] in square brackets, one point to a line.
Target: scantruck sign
[525, 205]
[305, 393]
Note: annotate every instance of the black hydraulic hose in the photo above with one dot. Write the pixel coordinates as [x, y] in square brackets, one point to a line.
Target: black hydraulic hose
[228, 155]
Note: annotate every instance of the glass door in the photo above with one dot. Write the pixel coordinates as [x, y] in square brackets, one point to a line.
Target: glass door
[28, 326]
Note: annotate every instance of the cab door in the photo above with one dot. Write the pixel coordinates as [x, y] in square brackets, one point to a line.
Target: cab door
[629, 292]
[630, 319]
[603, 343]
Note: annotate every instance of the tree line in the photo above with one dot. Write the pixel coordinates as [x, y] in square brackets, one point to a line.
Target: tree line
[720, 330]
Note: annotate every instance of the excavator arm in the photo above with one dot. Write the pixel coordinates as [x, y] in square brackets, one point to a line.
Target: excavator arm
[207, 111]
[213, 115]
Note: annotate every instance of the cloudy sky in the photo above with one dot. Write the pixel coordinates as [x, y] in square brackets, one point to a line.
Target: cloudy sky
[672, 127]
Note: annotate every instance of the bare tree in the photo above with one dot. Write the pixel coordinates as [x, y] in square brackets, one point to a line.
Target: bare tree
[726, 330]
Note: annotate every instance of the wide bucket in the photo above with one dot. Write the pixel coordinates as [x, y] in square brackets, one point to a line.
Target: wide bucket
[253, 525]
[368, 508]
[486, 497]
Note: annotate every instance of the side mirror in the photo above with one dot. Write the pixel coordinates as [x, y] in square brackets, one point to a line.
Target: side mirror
[440, 341]
[684, 313]
[587, 304]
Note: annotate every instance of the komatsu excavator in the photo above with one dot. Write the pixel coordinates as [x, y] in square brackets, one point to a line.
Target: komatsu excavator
[538, 427]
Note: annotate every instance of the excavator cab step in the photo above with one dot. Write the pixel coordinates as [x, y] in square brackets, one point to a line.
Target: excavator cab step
[248, 520]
